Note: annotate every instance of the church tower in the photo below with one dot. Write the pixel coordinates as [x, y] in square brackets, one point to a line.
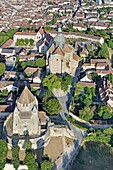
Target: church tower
[25, 116]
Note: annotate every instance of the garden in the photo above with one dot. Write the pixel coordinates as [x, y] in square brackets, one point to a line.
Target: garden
[83, 105]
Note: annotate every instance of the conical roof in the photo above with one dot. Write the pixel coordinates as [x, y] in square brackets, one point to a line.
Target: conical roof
[26, 97]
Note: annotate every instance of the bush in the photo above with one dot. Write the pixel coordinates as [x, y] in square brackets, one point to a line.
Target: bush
[46, 163]
[15, 157]
[40, 62]
[28, 145]
[87, 113]
[30, 161]
[3, 153]
[105, 112]
[2, 68]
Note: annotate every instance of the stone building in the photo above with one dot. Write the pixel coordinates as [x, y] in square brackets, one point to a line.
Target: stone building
[25, 117]
[61, 57]
[25, 123]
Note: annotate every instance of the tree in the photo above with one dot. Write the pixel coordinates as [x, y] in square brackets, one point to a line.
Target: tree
[110, 78]
[52, 106]
[46, 163]
[21, 42]
[87, 101]
[2, 68]
[103, 53]
[47, 96]
[28, 145]
[40, 62]
[30, 161]
[15, 157]
[51, 81]
[108, 131]
[105, 111]
[70, 25]
[95, 76]
[87, 113]
[101, 16]
[66, 81]
[110, 44]
[89, 47]
[26, 41]
[31, 41]
[3, 153]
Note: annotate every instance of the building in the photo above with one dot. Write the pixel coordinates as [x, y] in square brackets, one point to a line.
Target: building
[106, 92]
[24, 123]
[61, 57]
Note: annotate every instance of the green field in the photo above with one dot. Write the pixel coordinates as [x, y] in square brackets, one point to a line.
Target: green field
[94, 156]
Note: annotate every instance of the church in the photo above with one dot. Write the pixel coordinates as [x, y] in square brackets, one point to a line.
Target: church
[61, 57]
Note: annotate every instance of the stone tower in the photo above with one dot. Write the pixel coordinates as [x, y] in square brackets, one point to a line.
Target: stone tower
[25, 116]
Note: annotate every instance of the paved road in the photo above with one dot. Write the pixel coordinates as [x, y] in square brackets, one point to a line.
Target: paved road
[78, 133]
[65, 100]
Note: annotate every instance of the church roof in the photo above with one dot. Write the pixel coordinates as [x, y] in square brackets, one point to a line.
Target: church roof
[41, 31]
[26, 97]
[58, 50]
[51, 49]
[75, 57]
[67, 48]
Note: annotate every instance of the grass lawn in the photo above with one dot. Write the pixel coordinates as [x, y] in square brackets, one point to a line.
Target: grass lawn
[94, 156]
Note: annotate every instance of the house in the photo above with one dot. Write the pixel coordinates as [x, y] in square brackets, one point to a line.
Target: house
[30, 57]
[25, 35]
[30, 70]
[38, 76]
[44, 44]
[7, 51]
[10, 60]
[9, 74]
[11, 98]
[90, 84]
[100, 66]
[8, 85]
[79, 26]
[86, 77]
[7, 44]
[5, 110]
[35, 85]
[106, 92]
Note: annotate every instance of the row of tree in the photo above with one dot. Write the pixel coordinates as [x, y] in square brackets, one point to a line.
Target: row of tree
[24, 42]
[29, 159]
[40, 62]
